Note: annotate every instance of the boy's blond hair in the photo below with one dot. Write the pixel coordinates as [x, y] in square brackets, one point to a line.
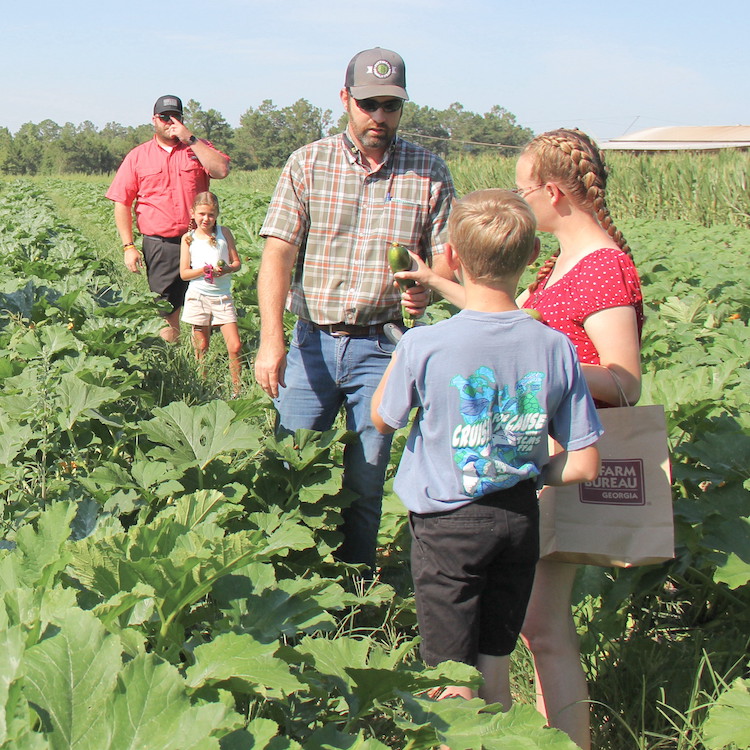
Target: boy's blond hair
[492, 232]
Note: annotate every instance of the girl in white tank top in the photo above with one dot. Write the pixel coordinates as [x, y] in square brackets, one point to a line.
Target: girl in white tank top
[207, 256]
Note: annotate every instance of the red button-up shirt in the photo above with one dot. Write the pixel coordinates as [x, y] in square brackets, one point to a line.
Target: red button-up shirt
[163, 185]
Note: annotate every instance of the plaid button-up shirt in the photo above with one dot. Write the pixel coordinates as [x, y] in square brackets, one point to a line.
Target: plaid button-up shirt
[344, 218]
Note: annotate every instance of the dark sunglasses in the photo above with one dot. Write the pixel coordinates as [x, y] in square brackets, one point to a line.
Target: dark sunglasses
[168, 118]
[373, 105]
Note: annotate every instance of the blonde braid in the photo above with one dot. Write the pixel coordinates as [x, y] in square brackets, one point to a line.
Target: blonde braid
[544, 271]
[591, 174]
[190, 234]
[572, 159]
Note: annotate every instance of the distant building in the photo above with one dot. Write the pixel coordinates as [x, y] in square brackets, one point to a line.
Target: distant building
[684, 138]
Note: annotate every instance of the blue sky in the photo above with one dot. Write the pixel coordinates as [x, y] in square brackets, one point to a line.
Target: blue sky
[606, 67]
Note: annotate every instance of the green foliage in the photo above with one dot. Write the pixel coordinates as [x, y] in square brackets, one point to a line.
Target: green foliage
[456, 133]
[47, 148]
[267, 135]
[166, 568]
[728, 721]
[208, 124]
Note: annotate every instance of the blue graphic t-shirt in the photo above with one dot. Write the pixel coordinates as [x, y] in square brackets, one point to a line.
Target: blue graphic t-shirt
[490, 388]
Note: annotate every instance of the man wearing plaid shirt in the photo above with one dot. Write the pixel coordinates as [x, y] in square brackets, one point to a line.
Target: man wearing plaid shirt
[339, 204]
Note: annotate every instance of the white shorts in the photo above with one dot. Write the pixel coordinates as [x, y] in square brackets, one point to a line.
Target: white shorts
[208, 310]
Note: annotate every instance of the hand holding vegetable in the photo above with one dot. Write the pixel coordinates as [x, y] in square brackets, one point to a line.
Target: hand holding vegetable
[399, 259]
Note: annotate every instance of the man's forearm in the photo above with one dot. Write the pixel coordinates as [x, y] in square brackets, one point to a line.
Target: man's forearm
[124, 222]
[213, 161]
[274, 280]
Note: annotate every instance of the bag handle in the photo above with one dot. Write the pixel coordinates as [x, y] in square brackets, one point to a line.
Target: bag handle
[623, 398]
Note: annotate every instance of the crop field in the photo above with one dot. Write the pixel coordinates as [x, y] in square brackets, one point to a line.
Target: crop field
[165, 570]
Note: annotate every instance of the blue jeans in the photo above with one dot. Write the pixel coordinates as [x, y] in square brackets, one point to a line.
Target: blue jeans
[324, 373]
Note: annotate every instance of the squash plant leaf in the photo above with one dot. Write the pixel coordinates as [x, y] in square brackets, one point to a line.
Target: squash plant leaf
[15, 437]
[260, 734]
[329, 738]
[137, 605]
[290, 607]
[181, 564]
[204, 505]
[19, 301]
[728, 535]
[475, 725]
[152, 709]
[70, 676]
[39, 552]
[196, 435]
[46, 341]
[728, 722]
[11, 658]
[332, 657]
[735, 572]
[243, 664]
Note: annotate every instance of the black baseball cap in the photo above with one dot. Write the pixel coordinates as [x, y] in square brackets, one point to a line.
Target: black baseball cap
[376, 72]
[168, 103]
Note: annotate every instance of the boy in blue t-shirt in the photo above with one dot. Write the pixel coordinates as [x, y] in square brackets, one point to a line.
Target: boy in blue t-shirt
[492, 384]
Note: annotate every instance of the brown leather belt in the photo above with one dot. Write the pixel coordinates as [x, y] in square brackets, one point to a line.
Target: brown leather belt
[352, 331]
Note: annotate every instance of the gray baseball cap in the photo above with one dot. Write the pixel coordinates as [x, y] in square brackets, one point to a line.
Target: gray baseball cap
[376, 72]
[168, 103]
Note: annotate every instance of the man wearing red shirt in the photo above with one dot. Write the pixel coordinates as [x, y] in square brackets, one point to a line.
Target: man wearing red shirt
[158, 181]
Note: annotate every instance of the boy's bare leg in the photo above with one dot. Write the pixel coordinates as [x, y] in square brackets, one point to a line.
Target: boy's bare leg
[496, 689]
[452, 691]
[496, 673]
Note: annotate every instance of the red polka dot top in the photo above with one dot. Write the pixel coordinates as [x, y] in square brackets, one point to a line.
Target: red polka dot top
[602, 279]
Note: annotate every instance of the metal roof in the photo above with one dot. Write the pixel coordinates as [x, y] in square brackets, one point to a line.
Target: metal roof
[683, 138]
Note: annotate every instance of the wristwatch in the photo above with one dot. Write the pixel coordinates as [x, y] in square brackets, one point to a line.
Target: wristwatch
[191, 140]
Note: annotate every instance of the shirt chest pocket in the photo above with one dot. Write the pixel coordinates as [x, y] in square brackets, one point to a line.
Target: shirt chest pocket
[152, 180]
[191, 174]
[406, 209]
[403, 222]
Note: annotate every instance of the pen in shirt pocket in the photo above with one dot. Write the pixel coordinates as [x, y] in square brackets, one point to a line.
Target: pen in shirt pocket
[392, 199]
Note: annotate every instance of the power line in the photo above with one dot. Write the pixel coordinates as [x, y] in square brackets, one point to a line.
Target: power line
[456, 140]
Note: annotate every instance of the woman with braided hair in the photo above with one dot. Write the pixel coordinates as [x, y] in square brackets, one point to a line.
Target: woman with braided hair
[590, 291]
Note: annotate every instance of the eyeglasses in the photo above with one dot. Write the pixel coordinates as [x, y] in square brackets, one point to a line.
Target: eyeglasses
[523, 192]
[373, 105]
[168, 118]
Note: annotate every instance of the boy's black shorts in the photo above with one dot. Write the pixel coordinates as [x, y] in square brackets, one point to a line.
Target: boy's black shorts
[162, 257]
[473, 569]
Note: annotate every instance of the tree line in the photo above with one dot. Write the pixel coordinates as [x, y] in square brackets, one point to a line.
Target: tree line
[265, 137]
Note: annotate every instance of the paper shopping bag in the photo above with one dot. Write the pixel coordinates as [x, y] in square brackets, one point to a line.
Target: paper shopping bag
[624, 517]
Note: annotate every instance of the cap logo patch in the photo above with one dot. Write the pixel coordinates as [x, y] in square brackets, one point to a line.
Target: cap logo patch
[381, 69]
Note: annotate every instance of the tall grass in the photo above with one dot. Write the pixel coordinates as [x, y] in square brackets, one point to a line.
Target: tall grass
[259, 181]
[704, 188]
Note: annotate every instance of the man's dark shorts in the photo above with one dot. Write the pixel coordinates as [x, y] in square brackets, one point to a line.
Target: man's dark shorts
[473, 569]
[162, 256]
